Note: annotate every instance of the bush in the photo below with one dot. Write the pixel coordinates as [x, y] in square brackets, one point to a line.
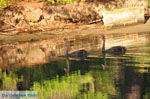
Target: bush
[3, 3]
[148, 3]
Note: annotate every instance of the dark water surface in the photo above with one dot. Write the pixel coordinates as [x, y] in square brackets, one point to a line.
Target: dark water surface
[112, 77]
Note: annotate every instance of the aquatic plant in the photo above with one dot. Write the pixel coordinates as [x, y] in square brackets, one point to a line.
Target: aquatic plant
[91, 95]
[147, 96]
[68, 86]
[77, 86]
[9, 80]
[104, 82]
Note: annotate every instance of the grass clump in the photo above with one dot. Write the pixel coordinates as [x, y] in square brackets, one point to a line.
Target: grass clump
[148, 3]
[66, 87]
[3, 3]
[9, 80]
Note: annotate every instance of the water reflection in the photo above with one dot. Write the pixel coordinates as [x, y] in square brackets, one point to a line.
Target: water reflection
[115, 50]
[134, 84]
[67, 64]
[79, 54]
[122, 77]
[25, 53]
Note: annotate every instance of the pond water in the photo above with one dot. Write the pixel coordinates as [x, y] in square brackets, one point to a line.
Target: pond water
[110, 77]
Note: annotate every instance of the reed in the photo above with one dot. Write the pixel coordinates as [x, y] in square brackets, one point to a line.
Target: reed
[9, 80]
[67, 87]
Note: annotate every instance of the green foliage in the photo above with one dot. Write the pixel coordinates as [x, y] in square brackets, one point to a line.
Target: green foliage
[148, 3]
[68, 86]
[147, 96]
[9, 81]
[105, 82]
[67, 1]
[98, 95]
[3, 3]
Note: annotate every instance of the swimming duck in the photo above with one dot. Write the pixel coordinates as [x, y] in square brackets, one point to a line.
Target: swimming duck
[116, 50]
[79, 54]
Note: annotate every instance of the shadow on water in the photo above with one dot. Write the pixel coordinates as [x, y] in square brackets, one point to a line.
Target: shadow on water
[146, 19]
[100, 76]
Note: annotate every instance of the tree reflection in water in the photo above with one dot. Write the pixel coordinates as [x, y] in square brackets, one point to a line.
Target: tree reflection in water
[126, 77]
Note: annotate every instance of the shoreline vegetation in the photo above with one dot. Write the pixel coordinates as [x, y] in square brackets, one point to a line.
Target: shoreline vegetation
[5, 3]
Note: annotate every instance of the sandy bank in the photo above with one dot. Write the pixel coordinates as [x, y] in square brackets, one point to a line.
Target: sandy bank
[70, 33]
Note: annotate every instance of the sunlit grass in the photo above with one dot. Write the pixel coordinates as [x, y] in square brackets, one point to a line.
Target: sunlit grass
[148, 3]
[3, 3]
[91, 95]
[105, 82]
[9, 81]
[68, 87]
[147, 96]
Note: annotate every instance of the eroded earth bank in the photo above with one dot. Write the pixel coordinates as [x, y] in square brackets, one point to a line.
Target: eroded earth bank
[34, 33]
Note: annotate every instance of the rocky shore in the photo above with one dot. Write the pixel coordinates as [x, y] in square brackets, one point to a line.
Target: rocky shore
[43, 16]
[28, 28]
